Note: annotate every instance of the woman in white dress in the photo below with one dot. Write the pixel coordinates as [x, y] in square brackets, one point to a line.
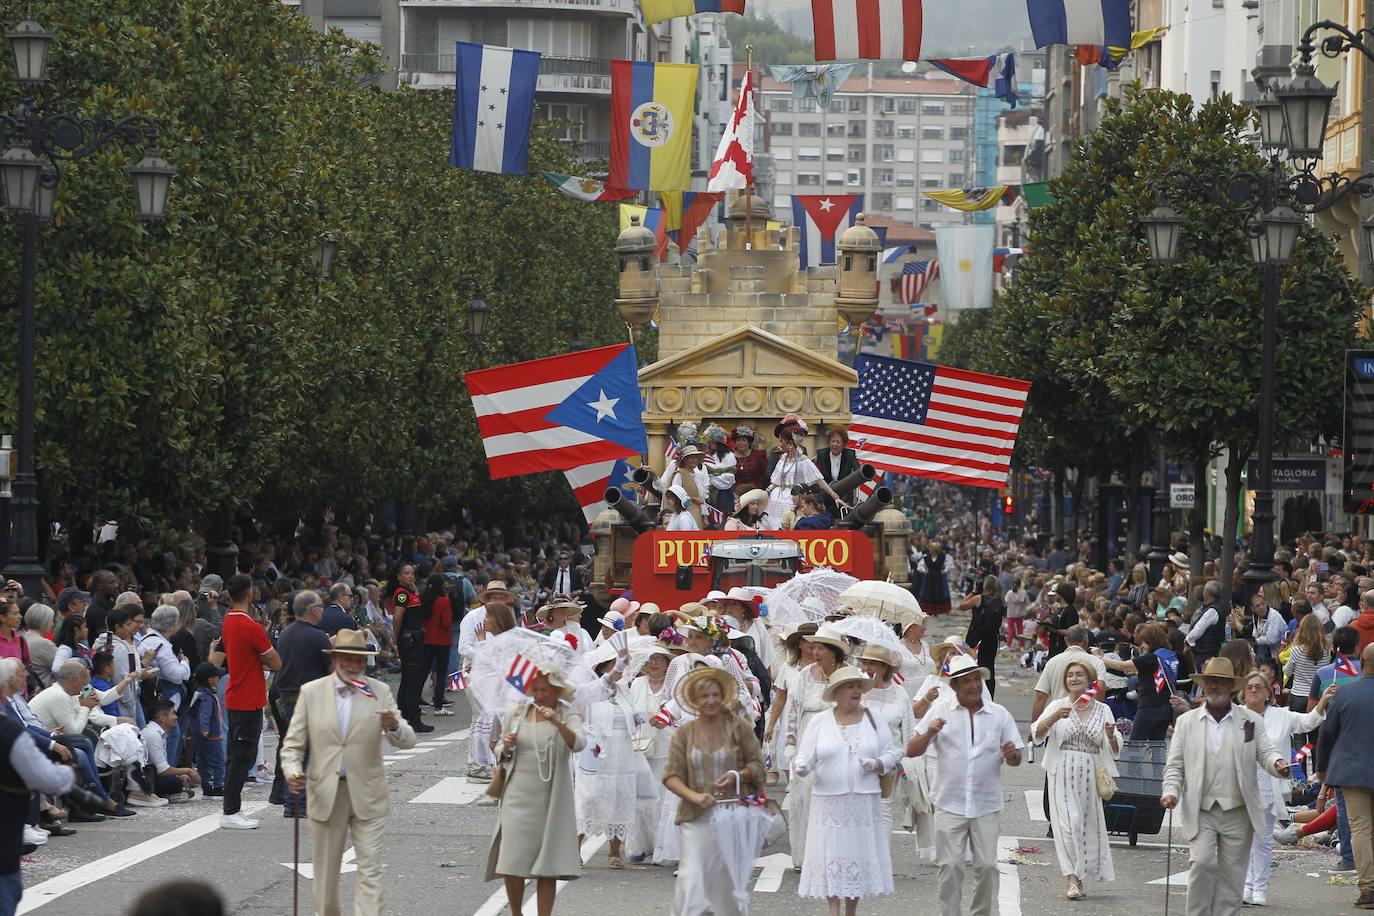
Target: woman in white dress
[785, 675]
[845, 751]
[809, 699]
[794, 469]
[564, 615]
[605, 787]
[888, 701]
[674, 515]
[648, 695]
[1082, 737]
[919, 665]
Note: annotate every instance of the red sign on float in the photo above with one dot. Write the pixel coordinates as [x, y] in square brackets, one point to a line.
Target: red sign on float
[662, 552]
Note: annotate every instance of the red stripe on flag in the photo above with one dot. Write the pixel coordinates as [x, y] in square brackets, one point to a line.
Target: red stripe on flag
[973, 413]
[953, 427]
[914, 438]
[912, 27]
[953, 460]
[823, 16]
[541, 371]
[950, 391]
[555, 459]
[870, 23]
[519, 421]
[622, 88]
[982, 378]
[593, 492]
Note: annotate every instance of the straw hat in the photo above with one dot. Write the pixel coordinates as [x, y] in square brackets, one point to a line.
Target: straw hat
[828, 636]
[648, 607]
[1179, 559]
[613, 619]
[688, 451]
[753, 496]
[795, 634]
[846, 674]
[687, 688]
[558, 602]
[349, 642]
[552, 674]
[495, 585]
[695, 609]
[1219, 669]
[672, 649]
[962, 664]
[714, 594]
[875, 653]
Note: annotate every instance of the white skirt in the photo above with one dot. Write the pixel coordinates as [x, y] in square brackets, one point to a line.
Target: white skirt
[848, 850]
[645, 832]
[1080, 826]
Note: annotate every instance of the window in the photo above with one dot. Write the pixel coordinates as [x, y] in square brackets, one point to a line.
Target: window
[858, 104]
[906, 180]
[884, 129]
[906, 131]
[956, 179]
[854, 178]
[958, 108]
[906, 155]
[883, 177]
[808, 129]
[782, 155]
[932, 155]
[806, 106]
[808, 178]
[557, 38]
[929, 180]
[809, 154]
[882, 152]
[887, 104]
[932, 133]
[958, 133]
[781, 128]
[857, 152]
[906, 106]
[571, 116]
[360, 28]
[783, 104]
[928, 205]
[834, 155]
[834, 130]
[858, 129]
[782, 178]
[1013, 155]
[1216, 74]
[836, 106]
[834, 178]
[956, 155]
[906, 203]
[933, 108]
[882, 201]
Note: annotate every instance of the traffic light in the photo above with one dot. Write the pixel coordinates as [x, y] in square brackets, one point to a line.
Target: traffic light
[1007, 505]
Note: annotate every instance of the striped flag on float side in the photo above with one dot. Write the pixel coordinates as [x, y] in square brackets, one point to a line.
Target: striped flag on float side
[936, 421]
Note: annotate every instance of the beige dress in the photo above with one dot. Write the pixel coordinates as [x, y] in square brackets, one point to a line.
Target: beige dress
[536, 827]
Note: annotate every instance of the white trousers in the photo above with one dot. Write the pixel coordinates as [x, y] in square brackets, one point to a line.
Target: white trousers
[1261, 856]
[704, 886]
[327, 842]
[1217, 858]
[954, 837]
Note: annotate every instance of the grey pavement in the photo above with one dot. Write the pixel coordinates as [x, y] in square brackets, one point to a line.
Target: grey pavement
[438, 838]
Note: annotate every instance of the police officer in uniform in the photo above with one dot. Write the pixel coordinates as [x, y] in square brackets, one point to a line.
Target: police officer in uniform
[408, 624]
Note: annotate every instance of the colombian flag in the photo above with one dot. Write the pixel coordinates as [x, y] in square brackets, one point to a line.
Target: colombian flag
[651, 125]
[685, 211]
[658, 10]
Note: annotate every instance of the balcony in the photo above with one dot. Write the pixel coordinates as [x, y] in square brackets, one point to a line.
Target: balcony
[556, 74]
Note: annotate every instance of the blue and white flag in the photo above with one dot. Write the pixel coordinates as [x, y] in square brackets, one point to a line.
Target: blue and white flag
[1080, 22]
[492, 108]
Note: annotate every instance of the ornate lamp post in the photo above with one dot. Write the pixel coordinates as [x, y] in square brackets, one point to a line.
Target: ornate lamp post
[37, 142]
[1272, 205]
[479, 313]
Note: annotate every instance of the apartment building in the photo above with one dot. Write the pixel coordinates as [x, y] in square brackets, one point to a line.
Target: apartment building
[886, 138]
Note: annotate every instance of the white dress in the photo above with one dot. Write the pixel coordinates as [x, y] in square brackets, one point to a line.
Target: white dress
[1073, 750]
[652, 743]
[605, 787]
[789, 473]
[805, 704]
[890, 704]
[704, 886]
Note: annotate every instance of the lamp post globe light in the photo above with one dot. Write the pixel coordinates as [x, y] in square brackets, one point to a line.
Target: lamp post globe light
[1272, 205]
[37, 141]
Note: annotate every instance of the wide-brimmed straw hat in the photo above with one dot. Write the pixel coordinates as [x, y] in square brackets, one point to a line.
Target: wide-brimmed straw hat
[556, 603]
[349, 642]
[1179, 559]
[875, 653]
[795, 634]
[1219, 669]
[828, 636]
[688, 686]
[961, 665]
[845, 674]
[753, 496]
[688, 451]
[495, 585]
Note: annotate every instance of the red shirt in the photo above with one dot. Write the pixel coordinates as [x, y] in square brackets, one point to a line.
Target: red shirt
[1364, 625]
[438, 627]
[244, 642]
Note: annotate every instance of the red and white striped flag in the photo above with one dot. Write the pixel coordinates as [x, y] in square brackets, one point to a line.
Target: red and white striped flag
[868, 486]
[1161, 682]
[1088, 695]
[734, 165]
[521, 674]
[1302, 753]
[936, 421]
[867, 29]
[916, 276]
[714, 515]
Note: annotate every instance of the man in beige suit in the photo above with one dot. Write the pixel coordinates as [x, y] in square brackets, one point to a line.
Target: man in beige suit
[1211, 777]
[340, 719]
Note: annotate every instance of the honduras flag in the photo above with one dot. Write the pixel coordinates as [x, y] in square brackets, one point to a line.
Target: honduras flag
[820, 218]
[492, 108]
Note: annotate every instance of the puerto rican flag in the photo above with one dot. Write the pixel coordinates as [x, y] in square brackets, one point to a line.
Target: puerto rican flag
[867, 29]
[591, 481]
[521, 674]
[1344, 666]
[1302, 753]
[362, 687]
[820, 219]
[1161, 682]
[456, 681]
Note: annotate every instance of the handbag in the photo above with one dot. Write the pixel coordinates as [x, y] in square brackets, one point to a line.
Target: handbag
[497, 786]
[886, 781]
[646, 788]
[1106, 785]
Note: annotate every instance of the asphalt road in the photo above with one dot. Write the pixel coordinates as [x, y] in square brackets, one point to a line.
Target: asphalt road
[438, 838]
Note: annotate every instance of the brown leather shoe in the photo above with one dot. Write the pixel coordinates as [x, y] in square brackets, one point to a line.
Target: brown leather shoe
[1365, 901]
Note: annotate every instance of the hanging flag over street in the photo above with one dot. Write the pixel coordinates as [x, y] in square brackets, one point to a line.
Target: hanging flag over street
[559, 412]
[733, 167]
[970, 199]
[996, 72]
[820, 218]
[684, 212]
[1080, 22]
[863, 30]
[935, 421]
[492, 107]
[651, 125]
[813, 81]
[659, 10]
[586, 188]
[916, 276]
[965, 265]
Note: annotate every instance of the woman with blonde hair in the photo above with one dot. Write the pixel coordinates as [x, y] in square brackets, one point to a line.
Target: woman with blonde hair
[1310, 650]
[1082, 738]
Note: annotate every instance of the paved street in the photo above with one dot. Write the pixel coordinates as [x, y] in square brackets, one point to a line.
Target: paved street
[438, 837]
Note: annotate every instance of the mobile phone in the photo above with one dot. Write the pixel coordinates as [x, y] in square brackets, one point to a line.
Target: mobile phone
[86, 691]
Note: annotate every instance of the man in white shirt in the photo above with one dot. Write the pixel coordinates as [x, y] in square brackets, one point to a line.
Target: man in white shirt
[169, 782]
[971, 738]
[62, 706]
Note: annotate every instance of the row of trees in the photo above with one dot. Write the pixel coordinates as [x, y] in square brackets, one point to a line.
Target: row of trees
[203, 364]
[1125, 356]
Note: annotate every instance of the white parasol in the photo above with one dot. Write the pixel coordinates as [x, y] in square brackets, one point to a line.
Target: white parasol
[884, 600]
[875, 631]
[823, 584]
[496, 654]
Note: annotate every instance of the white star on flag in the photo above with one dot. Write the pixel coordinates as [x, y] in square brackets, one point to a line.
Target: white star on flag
[827, 204]
[604, 406]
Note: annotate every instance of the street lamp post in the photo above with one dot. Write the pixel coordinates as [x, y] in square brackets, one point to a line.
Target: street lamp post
[1272, 204]
[479, 313]
[37, 141]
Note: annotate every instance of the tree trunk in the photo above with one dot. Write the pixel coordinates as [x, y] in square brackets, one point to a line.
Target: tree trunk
[1134, 467]
[1235, 467]
[1057, 506]
[1197, 517]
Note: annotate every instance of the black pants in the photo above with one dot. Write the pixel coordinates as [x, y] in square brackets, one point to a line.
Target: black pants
[282, 709]
[1151, 723]
[987, 658]
[436, 663]
[245, 728]
[412, 682]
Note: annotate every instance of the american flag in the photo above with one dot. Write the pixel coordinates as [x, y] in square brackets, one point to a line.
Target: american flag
[916, 275]
[362, 687]
[868, 486]
[936, 421]
[456, 681]
[1088, 695]
[521, 674]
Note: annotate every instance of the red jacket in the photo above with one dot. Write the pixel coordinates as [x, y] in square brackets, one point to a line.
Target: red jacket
[1364, 625]
[437, 626]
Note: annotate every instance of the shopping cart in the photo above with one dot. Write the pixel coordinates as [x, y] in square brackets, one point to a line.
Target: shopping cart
[1135, 808]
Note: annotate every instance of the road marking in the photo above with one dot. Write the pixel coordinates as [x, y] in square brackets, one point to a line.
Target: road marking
[451, 790]
[770, 879]
[346, 865]
[1009, 888]
[497, 901]
[1177, 879]
[1035, 805]
[50, 890]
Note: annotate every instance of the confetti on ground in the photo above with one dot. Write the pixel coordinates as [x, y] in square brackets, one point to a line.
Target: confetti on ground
[1342, 879]
[1028, 850]
[1019, 860]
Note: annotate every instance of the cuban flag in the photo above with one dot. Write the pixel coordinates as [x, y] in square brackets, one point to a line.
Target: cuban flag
[456, 681]
[492, 108]
[362, 687]
[521, 674]
[1344, 666]
[1088, 695]
[820, 219]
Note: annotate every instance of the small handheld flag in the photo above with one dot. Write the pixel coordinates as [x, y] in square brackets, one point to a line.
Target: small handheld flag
[456, 681]
[1161, 682]
[944, 668]
[898, 679]
[1302, 753]
[716, 516]
[362, 687]
[1088, 695]
[1344, 666]
[521, 674]
[664, 717]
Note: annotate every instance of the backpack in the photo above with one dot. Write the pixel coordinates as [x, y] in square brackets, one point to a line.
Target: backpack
[457, 599]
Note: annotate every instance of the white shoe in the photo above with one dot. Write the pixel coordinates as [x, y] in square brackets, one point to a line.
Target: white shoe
[1288, 835]
[1258, 898]
[443, 711]
[1246, 898]
[140, 799]
[36, 836]
[237, 821]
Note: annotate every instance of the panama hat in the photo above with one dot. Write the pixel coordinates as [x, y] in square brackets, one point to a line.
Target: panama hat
[845, 674]
[828, 636]
[875, 653]
[688, 451]
[961, 665]
[1219, 669]
[349, 642]
[558, 602]
[1179, 559]
[495, 585]
[686, 689]
[753, 496]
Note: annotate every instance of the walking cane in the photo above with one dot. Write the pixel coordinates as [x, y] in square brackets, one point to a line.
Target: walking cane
[296, 855]
[1168, 862]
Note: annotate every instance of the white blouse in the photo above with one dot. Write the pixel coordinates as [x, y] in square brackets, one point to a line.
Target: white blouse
[833, 752]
